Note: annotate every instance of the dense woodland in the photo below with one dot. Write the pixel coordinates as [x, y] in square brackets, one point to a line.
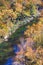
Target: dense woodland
[21, 24]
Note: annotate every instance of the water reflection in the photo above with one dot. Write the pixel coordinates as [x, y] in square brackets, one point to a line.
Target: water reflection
[20, 50]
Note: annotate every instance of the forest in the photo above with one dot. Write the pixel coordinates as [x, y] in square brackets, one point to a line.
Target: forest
[21, 32]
